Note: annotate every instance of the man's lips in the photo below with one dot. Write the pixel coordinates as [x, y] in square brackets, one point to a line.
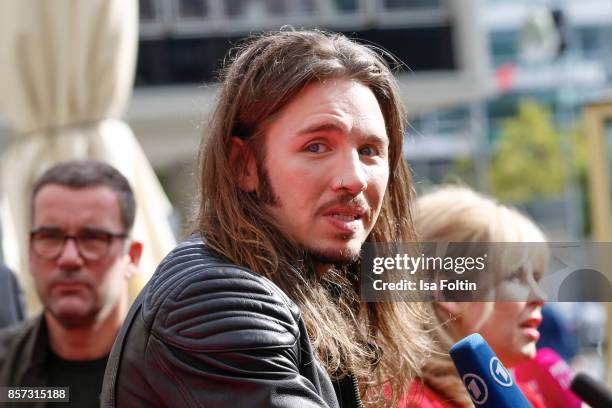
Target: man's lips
[69, 286]
[345, 212]
[345, 218]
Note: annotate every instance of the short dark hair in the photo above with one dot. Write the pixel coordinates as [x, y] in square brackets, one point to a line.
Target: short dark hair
[91, 173]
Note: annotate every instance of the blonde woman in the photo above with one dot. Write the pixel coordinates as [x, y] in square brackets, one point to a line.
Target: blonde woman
[457, 214]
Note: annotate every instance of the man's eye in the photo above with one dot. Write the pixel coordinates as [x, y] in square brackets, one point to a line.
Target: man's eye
[49, 236]
[316, 148]
[368, 151]
[90, 236]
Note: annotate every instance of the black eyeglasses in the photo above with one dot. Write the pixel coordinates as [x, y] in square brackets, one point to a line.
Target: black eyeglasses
[92, 244]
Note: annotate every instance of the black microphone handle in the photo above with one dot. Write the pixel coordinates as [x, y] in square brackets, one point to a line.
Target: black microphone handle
[591, 391]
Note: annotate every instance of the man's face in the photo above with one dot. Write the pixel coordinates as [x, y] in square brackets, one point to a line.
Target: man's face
[74, 290]
[326, 168]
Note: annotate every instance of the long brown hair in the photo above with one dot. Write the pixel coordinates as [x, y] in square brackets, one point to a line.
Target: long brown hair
[380, 343]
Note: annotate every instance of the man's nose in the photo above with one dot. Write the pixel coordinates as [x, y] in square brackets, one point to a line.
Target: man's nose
[351, 174]
[70, 256]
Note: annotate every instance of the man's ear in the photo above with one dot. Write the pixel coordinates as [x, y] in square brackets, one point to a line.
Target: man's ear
[134, 253]
[244, 166]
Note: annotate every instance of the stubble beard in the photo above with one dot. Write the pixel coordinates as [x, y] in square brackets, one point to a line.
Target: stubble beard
[338, 258]
[73, 320]
[77, 318]
[322, 256]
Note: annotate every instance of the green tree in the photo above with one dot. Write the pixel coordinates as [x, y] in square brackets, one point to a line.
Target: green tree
[528, 161]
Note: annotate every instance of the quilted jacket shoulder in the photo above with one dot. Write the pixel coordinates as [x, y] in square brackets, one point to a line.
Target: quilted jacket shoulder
[197, 302]
[206, 333]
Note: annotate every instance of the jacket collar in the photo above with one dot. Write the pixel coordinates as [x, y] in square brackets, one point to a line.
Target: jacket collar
[35, 352]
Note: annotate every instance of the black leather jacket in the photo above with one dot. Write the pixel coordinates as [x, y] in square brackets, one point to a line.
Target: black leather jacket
[204, 333]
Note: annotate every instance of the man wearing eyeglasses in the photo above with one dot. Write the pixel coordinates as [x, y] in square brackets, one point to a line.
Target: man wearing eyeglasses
[80, 257]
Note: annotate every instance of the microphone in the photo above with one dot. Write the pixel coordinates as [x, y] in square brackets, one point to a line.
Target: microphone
[549, 376]
[488, 382]
[591, 391]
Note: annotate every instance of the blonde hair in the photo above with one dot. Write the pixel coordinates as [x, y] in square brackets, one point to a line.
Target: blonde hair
[458, 214]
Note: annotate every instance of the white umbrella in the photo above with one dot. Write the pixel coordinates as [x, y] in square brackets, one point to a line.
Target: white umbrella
[66, 76]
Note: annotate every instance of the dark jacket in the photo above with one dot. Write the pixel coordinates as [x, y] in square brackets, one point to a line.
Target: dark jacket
[23, 352]
[205, 333]
[12, 309]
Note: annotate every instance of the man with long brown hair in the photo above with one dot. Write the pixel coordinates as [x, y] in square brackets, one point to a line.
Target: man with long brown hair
[301, 164]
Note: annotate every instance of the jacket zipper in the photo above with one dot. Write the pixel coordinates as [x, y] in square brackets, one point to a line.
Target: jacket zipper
[356, 391]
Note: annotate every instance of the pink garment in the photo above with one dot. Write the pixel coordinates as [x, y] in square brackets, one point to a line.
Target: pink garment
[424, 397]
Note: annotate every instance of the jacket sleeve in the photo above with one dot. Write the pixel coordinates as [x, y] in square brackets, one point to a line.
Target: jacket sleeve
[12, 310]
[224, 337]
